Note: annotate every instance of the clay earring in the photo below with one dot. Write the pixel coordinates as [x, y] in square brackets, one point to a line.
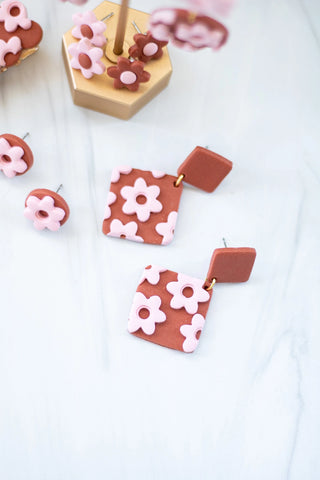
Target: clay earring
[19, 36]
[16, 157]
[87, 53]
[143, 205]
[146, 47]
[47, 209]
[187, 30]
[170, 308]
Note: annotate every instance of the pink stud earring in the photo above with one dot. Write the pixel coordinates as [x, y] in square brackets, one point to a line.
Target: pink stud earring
[88, 26]
[46, 209]
[87, 52]
[170, 308]
[16, 157]
[146, 47]
[86, 58]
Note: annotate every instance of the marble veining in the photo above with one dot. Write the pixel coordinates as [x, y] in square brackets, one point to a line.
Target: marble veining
[80, 397]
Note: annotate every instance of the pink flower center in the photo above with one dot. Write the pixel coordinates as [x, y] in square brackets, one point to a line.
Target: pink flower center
[144, 313]
[150, 49]
[85, 61]
[86, 31]
[5, 159]
[187, 292]
[42, 214]
[141, 199]
[128, 78]
[14, 11]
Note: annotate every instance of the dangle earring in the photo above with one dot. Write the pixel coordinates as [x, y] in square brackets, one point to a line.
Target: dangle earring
[143, 205]
[170, 308]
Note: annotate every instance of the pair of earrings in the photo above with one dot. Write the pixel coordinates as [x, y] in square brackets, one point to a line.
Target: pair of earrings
[170, 308]
[19, 36]
[46, 209]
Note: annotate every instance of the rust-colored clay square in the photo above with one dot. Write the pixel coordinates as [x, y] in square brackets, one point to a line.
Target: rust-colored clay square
[205, 169]
[142, 206]
[169, 309]
[231, 265]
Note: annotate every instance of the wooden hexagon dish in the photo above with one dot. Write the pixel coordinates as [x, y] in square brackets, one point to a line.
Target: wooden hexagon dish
[98, 93]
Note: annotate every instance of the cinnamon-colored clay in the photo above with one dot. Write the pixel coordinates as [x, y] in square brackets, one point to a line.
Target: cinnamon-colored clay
[205, 169]
[167, 333]
[158, 193]
[29, 39]
[58, 201]
[231, 265]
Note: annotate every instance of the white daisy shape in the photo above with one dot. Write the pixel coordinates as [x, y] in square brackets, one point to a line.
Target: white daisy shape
[145, 313]
[152, 274]
[192, 333]
[117, 171]
[112, 197]
[128, 230]
[187, 293]
[166, 229]
[141, 200]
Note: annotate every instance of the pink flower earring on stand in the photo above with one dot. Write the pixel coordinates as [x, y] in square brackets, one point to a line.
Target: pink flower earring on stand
[87, 52]
[46, 209]
[143, 205]
[170, 308]
[16, 157]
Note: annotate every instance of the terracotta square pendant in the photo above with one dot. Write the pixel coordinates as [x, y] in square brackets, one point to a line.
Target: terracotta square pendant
[142, 206]
[169, 309]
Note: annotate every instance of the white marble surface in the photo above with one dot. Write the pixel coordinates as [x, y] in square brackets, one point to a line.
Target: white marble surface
[81, 398]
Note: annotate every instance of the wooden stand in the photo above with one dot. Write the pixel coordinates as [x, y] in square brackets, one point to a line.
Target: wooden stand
[98, 93]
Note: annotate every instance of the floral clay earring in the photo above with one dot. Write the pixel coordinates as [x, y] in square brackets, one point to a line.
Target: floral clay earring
[143, 205]
[146, 47]
[46, 209]
[170, 308]
[19, 36]
[16, 157]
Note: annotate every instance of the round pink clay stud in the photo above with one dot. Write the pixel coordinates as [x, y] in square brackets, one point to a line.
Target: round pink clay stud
[16, 157]
[46, 209]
